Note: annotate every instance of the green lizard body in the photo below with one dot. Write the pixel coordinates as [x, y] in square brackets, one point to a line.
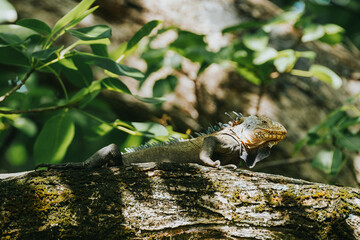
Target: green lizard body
[248, 138]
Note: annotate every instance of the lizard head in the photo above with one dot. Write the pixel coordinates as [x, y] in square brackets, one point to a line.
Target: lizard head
[258, 134]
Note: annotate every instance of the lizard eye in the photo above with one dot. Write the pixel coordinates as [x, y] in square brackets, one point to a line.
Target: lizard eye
[263, 121]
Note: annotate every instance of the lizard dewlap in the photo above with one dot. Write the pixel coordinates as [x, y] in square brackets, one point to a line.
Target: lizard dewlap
[243, 138]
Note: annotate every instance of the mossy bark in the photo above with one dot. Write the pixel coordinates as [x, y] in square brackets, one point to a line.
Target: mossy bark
[185, 201]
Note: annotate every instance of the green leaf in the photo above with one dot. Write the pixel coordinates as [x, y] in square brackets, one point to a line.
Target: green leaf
[54, 139]
[306, 54]
[285, 60]
[243, 26]
[312, 32]
[350, 141]
[98, 131]
[35, 24]
[335, 117]
[153, 100]
[154, 59]
[187, 39]
[265, 55]
[7, 12]
[115, 84]
[86, 95]
[91, 33]
[333, 34]
[10, 56]
[143, 32]
[16, 154]
[150, 129]
[118, 52]
[26, 126]
[290, 17]
[21, 32]
[349, 121]
[44, 54]
[326, 75]
[11, 39]
[78, 72]
[75, 14]
[165, 86]
[328, 161]
[332, 28]
[257, 41]
[100, 50]
[111, 66]
[249, 75]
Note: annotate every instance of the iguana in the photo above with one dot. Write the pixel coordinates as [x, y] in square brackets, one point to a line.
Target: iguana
[248, 138]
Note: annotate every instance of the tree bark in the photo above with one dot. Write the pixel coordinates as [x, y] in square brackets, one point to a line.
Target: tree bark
[185, 201]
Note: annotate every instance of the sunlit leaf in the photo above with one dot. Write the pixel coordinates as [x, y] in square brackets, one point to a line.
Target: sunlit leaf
[26, 126]
[91, 33]
[290, 17]
[7, 12]
[257, 41]
[10, 39]
[75, 13]
[21, 32]
[285, 61]
[326, 75]
[97, 131]
[328, 161]
[54, 139]
[265, 55]
[332, 28]
[312, 32]
[35, 24]
[150, 129]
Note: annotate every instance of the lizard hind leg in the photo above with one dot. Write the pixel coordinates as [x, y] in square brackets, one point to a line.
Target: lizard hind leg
[106, 156]
[207, 150]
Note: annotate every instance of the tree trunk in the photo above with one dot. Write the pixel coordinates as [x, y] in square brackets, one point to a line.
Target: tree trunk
[185, 201]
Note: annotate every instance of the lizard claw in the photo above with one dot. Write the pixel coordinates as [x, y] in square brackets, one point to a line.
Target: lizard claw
[229, 166]
[217, 164]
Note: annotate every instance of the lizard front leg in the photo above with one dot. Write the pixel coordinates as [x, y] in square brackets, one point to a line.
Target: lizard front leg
[106, 156]
[207, 150]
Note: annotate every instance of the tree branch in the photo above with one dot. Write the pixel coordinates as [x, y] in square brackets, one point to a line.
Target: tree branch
[37, 110]
[185, 201]
[14, 89]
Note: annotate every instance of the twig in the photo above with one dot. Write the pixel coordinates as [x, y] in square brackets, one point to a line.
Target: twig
[14, 89]
[37, 110]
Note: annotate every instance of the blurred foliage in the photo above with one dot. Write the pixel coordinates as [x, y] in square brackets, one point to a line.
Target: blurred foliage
[49, 91]
[338, 135]
[50, 105]
[340, 12]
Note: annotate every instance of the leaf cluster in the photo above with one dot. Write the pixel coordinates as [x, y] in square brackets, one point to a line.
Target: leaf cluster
[339, 136]
[30, 50]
